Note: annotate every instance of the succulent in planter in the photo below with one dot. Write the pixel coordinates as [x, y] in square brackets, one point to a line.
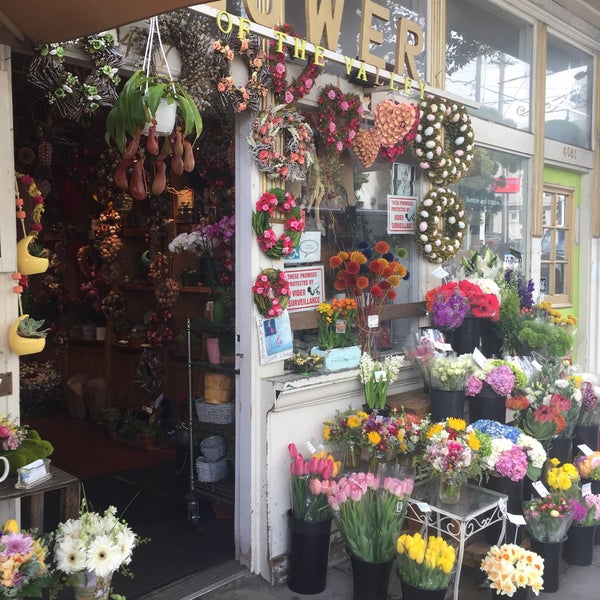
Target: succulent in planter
[32, 328]
[137, 112]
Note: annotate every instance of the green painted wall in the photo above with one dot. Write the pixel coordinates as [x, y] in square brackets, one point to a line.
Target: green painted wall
[570, 179]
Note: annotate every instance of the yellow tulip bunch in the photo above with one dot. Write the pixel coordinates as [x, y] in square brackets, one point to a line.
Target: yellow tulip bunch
[425, 562]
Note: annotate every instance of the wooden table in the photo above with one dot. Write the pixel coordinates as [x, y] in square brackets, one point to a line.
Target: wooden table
[33, 508]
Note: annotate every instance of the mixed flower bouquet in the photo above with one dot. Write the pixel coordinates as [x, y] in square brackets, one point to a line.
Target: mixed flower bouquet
[548, 518]
[453, 453]
[543, 422]
[509, 567]
[590, 404]
[588, 466]
[11, 434]
[376, 376]
[512, 453]
[426, 563]
[419, 354]
[450, 303]
[501, 375]
[369, 275]
[311, 483]
[369, 512]
[450, 372]
[345, 426]
[586, 511]
[93, 547]
[22, 563]
[336, 323]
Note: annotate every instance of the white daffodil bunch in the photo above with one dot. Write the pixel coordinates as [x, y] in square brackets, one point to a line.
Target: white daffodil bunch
[93, 546]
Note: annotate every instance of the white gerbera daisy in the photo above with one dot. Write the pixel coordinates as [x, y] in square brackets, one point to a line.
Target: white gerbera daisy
[70, 556]
[103, 558]
[125, 544]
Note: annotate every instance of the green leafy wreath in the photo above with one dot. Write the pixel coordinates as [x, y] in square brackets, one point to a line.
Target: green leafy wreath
[444, 140]
[271, 291]
[277, 200]
[440, 226]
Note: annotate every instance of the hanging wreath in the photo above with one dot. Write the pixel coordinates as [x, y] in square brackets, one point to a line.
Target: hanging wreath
[444, 140]
[271, 292]
[37, 204]
[277, 200]
[397, 124]
[338, 118]
[287, 158]
[249, 96]
[440, 226]
[301, 85]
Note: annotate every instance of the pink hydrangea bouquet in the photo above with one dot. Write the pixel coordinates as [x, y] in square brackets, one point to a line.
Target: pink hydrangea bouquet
[369, 512]
[501, 375]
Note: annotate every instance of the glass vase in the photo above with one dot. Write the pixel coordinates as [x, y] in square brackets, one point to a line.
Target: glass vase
[376, 460]
[351, 455]
[449, 492]
[92, 587]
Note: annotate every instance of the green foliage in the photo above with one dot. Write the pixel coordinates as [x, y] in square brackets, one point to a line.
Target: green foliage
[510, 322]
[545, 338]
[32, 328]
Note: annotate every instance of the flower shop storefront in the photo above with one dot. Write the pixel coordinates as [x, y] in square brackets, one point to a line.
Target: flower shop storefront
[365, 213]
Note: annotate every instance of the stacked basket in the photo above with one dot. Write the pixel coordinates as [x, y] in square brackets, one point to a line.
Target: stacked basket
[207, 412]
[212, 465]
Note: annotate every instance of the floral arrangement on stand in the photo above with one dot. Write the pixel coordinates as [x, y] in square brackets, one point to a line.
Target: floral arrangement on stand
[549, 518]
[510, 567]
[425, 563]
[450, 303]
[311, 483]
[277, 201]
[23, 563]
[369, 275]
[336, 323]
[88, 550]
[363, 502]
[513, 454]
[376, 376]
[453, 453]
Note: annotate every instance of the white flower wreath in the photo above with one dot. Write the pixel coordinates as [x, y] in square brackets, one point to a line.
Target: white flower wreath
[287, 158]
[440, 226]
[444, 140]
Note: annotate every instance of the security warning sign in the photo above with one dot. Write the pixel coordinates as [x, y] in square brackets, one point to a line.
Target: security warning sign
[306, 288]
[401, 213]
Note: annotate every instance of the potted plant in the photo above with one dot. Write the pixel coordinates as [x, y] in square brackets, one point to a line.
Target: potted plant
[26, 335]
[138, 103]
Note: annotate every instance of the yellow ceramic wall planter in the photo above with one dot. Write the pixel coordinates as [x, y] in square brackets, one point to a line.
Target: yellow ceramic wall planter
[21, 345]
[26, 263]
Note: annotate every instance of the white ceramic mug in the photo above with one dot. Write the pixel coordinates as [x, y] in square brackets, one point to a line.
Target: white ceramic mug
[6, 468]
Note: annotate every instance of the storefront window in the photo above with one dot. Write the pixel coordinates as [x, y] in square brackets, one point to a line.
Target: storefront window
[494, 194]
[488, 59]
[569, 88]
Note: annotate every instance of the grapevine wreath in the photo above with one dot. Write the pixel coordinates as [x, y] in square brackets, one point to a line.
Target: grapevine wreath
[271, 292]
[249, 96]
[288, 159]
[440, 226]
[301, 85]
[338, 117]
[444, 140]
[282, 202]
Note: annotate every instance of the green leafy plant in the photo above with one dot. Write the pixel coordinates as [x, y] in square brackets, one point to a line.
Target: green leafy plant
[138, 102]
[32, 328]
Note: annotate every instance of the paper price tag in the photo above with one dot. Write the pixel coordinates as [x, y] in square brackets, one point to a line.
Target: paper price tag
[423, 507]
[442, 346]
[516, 519]
[536, 365]
[479, 358]
[540, 488]
[373, 321]
[585, 449]
[310, 447]
[440, 273]
[586, 489]
[399, 506]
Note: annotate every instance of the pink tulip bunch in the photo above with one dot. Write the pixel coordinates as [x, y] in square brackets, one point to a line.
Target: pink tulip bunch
[312, 482]
[369, 512]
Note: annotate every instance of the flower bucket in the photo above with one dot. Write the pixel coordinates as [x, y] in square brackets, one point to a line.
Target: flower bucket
[522, 593]
[410, 592]
[446, 403]
[309, 554]
[487, 405]
[579, 547]
[514, 490]
[370, 580]
[551, 553]
[587, 434]
[337, 359]
[561, 448]
[466, 337]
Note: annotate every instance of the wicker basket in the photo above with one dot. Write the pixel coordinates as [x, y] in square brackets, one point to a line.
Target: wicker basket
[221, 414]
[218, 388]
[213, 447]
[211, 471]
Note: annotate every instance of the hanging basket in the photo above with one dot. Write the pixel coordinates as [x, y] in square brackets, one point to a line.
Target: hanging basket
[26, 263]
[21, 345]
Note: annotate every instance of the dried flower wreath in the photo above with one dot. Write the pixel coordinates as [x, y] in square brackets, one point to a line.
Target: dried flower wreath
[277, 200]
[338, 118]
[250, 95]
[440, 226]
[271, 292]
[300, 86]
[444, 140]
[288, 158]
